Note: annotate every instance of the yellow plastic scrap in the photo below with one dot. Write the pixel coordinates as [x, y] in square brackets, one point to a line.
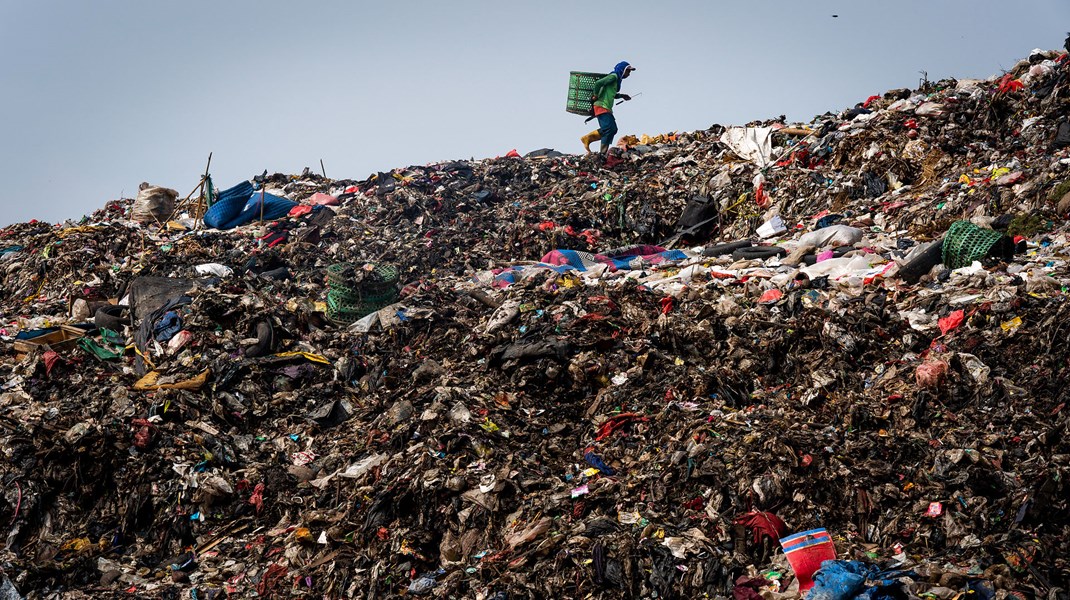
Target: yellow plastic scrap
[143, 356]
[149, 382]
[37, 293]
[1012, 325]
[71, 230]
[76, 545]
[316, 358]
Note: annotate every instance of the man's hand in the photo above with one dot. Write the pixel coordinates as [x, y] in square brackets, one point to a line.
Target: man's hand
[624, 97]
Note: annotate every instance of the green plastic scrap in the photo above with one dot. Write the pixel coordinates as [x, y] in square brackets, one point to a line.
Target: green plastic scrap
[112, 338]
[97, 350]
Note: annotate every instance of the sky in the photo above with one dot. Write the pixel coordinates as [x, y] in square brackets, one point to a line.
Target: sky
[97, 97]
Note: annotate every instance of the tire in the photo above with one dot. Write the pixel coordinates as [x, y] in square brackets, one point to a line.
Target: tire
[112, 317]
[722, 249]
[923, 263]
[758, 252]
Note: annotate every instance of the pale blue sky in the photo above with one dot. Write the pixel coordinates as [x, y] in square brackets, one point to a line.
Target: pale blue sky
[98, 96]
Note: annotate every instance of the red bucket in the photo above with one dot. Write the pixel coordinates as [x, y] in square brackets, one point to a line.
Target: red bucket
[806, 551]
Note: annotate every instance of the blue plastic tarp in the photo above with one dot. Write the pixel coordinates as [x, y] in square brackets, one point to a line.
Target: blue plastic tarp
[240, 205]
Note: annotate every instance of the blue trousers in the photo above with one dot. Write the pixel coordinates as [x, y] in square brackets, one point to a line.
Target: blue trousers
[607, 128]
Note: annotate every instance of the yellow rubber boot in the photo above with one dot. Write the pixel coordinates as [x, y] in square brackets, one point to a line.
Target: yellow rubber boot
[589, 139]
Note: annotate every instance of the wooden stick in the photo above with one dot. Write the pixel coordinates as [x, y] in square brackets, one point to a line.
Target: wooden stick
[195, 190]
[200, 201]
[323, 170]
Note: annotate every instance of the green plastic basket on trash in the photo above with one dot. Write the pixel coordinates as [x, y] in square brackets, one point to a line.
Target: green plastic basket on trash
[966, 242]
[580, 89]
[355, 292]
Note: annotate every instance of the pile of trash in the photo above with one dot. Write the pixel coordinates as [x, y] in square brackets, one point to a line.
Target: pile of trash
[556, 376]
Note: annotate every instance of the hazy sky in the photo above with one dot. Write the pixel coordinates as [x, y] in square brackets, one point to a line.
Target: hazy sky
[98, 96]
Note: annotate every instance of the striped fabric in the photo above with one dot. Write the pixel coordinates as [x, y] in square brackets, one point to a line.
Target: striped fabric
[805, 539]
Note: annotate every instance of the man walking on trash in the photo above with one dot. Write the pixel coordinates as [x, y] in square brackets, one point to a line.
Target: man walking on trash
[606, 90]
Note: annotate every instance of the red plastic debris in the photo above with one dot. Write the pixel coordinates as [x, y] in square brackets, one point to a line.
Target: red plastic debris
[951, 322]
[771, 296]
[257, 499]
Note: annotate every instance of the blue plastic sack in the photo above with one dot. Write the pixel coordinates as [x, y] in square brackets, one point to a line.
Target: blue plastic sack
[847, 580]
[227, 206]
[596, 461]
[274, 208]
[838, 580]
[240, 205]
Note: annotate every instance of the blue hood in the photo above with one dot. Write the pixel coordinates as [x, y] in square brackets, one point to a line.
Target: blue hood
[619, 69]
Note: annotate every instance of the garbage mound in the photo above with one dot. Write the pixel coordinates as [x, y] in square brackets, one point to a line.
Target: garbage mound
[737, 362]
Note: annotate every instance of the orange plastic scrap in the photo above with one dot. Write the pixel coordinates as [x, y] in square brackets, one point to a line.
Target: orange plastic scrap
[149, 382]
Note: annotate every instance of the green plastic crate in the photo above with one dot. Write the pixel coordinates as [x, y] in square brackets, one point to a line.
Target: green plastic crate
[580, 89]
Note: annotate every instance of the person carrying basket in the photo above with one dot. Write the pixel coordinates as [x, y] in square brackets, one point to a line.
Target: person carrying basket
[606, 90]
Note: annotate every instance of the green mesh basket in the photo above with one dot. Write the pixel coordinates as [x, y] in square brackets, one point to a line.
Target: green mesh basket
[966, 242]
[580, 89]
[343, 309]
[343, 302]
[381, 279]
[339, 274]
[354, 292]
[342, 318]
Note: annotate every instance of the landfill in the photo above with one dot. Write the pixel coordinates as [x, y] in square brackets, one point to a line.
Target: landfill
[552, 376]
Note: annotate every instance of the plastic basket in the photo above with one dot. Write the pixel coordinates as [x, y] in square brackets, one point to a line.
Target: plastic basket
[382, 279]
[344, 309]
[966, 242]
[805, 552]
[338, 274]
[580, 89]
[343, 319]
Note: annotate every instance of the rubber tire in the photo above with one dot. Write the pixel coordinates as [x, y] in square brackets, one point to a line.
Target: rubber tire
[921, 264]
[722, 249]
[112, 317]
[758, 252]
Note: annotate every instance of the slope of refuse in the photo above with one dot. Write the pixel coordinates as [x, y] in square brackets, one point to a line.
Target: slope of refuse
[551, 376]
